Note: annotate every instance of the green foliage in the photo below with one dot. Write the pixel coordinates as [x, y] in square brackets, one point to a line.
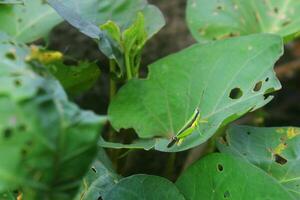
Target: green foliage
[130, 43]
[195, 77]
[122, 37]
[275, 150]
[219, 19]
[219, 176]
[52, 149]
[43, 135]
[143, 187]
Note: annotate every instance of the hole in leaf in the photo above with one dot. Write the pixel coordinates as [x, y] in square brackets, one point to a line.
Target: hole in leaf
[267, 79]
[29, 143]
[279, 159]
[266, 96]
[286, 23]
[220, 7]
[24, 152]
[7, 133]
[236, 93]
[94, 169]
[257, 86]
[226, 194]
[10, 56]
[17, 83]
[22, 127]
[248, 133]
[220, 167]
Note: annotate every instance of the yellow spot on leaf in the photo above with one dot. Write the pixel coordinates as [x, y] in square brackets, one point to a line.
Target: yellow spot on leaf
[280, 148]
[42, 56]
[292, 132]
[280, 130]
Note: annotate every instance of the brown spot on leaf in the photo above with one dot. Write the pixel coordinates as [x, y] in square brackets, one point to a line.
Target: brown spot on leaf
[257, 86]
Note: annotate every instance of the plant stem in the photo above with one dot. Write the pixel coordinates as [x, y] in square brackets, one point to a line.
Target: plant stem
[112, 83]
[112, 92]
[128, 67]
[169, 170]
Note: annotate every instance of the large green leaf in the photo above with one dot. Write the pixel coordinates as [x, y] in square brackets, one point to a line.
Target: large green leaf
[219, 176]
[42, 135]
[275, 150]
[219, 19]
[143, 187]
[203, 76]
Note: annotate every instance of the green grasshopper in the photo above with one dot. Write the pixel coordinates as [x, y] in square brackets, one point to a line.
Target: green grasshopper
[188, 128]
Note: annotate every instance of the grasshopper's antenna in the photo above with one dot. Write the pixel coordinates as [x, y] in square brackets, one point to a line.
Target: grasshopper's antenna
[201, 98]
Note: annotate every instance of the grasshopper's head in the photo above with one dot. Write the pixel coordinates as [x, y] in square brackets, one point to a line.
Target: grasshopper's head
[173, 140]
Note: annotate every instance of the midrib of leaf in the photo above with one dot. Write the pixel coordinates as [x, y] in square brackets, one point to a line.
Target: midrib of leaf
[14, 179]
[168, 106]
[298, 193]
[35, 21]
[244, 15]
[260, 21]
[154, 116]
[59, 147]
[213, 69]
[289, 180]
